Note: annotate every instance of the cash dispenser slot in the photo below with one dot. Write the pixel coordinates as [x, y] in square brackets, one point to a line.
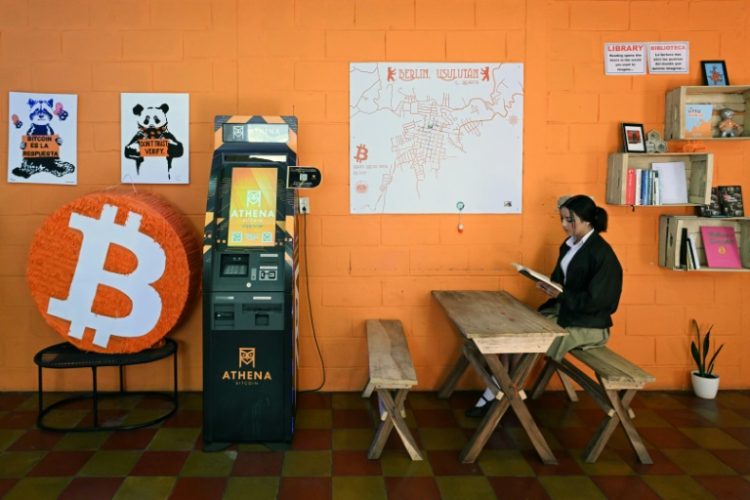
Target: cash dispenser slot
[248, 311]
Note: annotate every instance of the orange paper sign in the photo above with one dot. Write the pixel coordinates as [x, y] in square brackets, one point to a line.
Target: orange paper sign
[113, 272]
[153, 147]
[41, 146]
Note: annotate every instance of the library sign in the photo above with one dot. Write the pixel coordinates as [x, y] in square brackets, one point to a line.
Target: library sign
[113, 272]
[633, 58]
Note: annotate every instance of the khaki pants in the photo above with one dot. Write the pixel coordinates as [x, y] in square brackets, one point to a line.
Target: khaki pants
[578, 337]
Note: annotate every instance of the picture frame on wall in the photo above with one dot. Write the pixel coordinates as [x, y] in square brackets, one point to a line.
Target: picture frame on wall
[714, 73]
[633, 138]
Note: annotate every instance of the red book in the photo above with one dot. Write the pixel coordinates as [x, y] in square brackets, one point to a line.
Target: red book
[721, 247]
[630, 187]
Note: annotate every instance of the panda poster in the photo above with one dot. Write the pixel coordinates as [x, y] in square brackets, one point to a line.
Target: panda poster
[42, 138]
[155, 136]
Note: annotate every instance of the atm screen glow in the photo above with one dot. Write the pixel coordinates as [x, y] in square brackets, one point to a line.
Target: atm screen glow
[252, 207]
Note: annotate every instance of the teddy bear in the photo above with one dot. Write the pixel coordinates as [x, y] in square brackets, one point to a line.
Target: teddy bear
[153, 137]
[727, 126]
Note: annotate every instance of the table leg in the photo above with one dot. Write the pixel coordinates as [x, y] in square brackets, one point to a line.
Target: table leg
[512, 388]
[472, 354]
[450, 383]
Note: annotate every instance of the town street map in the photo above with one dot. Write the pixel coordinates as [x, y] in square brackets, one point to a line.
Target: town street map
[435, 138]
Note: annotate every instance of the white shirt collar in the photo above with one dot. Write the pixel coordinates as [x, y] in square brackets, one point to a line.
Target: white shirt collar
[570, 240]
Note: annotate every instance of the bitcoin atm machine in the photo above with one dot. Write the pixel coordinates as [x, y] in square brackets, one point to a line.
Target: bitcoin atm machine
[250, 281]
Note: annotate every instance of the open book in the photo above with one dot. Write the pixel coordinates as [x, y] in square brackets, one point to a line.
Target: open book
[536, 276]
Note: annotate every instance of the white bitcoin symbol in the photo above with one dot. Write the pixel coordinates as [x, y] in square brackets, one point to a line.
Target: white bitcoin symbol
[98, 234]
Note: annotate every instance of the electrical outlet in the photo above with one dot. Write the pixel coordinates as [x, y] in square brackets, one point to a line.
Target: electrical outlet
[304, 205]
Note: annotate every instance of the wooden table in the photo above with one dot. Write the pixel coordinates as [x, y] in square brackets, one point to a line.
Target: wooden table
[493, 323]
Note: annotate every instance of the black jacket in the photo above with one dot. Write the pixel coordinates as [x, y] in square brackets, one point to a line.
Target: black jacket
[592, 292]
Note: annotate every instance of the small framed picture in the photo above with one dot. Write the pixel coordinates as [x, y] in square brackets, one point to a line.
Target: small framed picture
[714, 73]
[633, 138]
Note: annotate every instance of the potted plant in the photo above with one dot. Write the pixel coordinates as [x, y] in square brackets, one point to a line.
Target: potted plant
[705, 383]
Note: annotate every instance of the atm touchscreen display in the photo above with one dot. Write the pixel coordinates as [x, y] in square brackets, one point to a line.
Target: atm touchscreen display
[252, 207]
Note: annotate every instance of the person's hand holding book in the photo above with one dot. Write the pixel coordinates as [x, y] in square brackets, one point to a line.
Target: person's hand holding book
[551, 291]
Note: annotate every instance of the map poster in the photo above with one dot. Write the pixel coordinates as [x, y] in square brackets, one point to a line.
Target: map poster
[425, 138]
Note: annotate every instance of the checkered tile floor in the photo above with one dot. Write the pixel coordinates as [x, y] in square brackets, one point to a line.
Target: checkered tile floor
[701, 449]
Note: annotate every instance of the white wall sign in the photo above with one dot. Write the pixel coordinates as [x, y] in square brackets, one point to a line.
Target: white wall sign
[42, 138]
[668, 57]
[155, 134]
[625, 58]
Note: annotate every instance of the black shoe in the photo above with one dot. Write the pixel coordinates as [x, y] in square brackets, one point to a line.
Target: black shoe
[477, 411]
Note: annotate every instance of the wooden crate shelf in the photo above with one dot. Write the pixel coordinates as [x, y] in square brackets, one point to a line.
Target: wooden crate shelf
[736, 97]
[670, 240]
[698, 170]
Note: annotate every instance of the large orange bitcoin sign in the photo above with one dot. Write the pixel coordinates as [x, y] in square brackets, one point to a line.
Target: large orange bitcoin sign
[113, 272]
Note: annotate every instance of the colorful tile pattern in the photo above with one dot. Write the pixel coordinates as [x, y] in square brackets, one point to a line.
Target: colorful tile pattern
[701, 449]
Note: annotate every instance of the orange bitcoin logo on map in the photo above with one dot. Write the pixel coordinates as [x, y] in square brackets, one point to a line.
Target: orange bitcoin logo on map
[362, 153]
[112, 272]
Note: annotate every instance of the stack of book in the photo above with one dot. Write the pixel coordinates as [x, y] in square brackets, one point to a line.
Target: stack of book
[726, 201]
[662, 184]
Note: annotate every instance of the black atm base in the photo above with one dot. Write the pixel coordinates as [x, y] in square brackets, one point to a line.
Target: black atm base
[246, 399]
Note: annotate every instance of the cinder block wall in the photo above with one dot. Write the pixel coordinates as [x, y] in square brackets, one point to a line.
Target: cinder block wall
[291, 57]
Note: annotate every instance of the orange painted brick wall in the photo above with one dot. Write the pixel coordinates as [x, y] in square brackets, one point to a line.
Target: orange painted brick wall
[291, 57]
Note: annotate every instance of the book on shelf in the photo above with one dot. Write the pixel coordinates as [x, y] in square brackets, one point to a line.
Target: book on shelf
[683, 248]
[672, 182]
[537, 276]
[693, 251]
[638, 181]
[698, 121]
[630, 187]
[713, 209]
[720, 245]
[730, 201]
[655, 188]
[646, 187]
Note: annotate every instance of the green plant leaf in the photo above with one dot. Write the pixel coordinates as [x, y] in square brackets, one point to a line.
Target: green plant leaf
[706, 345]
[696, 357]
[713, 360]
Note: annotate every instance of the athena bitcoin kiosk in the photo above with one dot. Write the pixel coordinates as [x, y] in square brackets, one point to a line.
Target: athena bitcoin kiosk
[250, 283]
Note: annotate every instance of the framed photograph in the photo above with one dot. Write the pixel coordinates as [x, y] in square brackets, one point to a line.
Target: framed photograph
[633, 138]
[714, 73]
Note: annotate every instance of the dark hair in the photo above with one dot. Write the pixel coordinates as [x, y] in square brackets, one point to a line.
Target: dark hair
[586, 210]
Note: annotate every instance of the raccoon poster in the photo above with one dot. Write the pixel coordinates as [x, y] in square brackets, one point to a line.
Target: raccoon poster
[155, 137]
[42, 138]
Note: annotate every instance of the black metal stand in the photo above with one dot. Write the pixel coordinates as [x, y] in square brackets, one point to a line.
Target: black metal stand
[66, 355]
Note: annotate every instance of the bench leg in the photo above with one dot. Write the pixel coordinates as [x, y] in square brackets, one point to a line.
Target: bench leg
[567, 384]
[541, 382]
[393, 418]
[588, 385]
[607, 427]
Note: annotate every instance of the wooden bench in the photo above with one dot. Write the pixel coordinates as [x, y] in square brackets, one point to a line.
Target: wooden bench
[618, 381]
[391, 376]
